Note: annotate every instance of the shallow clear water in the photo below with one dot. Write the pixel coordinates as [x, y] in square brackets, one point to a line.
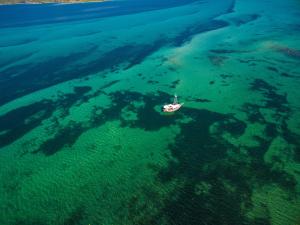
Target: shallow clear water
[82, 136]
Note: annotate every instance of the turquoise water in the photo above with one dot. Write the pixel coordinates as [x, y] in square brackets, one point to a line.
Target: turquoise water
[82, 136]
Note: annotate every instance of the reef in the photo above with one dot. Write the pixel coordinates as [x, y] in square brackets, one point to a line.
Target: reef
[287, 51]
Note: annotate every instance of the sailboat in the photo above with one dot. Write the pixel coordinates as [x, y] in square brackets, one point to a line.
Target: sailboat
[172, 107]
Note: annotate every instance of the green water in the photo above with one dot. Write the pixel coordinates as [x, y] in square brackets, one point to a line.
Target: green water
[83, 139]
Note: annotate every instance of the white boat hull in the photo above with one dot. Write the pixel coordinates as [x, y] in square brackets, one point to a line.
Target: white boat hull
[171, 107]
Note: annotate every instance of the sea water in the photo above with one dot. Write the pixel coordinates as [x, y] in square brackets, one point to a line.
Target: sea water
[82, 136]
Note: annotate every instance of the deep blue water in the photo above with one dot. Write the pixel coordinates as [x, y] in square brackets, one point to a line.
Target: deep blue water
[29, 14]
[82, 138]
[23, 71]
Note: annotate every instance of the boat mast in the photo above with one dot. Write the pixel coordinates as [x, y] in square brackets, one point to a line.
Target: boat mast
[175, 100]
